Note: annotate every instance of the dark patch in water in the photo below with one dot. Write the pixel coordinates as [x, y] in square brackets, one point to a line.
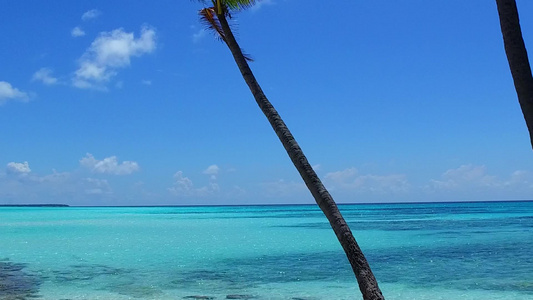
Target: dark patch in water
[121, 281]
[228, 276]
[17, 284]
[498, 266]
[239, 296]
[135, 290]
[86, 272]
[421, 223]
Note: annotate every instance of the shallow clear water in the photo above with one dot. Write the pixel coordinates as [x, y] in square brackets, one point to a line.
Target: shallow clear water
[417, 251]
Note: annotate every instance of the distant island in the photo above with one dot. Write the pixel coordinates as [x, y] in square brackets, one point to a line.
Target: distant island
[34, 205]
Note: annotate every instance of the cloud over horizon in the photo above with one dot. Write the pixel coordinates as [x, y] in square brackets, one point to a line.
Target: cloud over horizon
[471, 178]
[351, 179]
[184, 187]
[108, 165]
[283, 189]
[466, 182]
[96, 186]
[19, 185]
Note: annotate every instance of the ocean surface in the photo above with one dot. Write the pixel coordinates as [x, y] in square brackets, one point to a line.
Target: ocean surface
[417, 251]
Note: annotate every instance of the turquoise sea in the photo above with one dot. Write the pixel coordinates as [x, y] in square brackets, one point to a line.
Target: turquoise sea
[417, 251]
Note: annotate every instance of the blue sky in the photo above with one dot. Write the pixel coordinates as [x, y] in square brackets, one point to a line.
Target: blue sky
[133, 103]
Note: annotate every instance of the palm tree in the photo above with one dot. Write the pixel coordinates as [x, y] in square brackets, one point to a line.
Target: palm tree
[517, 58]
[215, 18]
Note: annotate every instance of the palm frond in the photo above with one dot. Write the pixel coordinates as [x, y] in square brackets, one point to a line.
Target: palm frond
[208, 16]
[239, 4]
[247, 56]
[229, 5]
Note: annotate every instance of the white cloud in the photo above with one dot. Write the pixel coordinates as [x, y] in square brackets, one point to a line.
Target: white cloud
[347, 182]
[97, 186]
[77, 32]
[341, 176]
[109, 165]
[18, 168]
[55, 177]
[20, 185]
[349, 179]
[109, 52]
[146, 82]
[183, 186]
[212, 170]
[465, 175]
[472, 178]
[23, 186]
[44, 75]
[90, 14]
[199, 35]
[282, 188]
[21, 172]
[8, 92]
[520, 177]
[237, 191]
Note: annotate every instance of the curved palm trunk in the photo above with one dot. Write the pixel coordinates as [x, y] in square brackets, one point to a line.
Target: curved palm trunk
[517, 58]
[367, 282]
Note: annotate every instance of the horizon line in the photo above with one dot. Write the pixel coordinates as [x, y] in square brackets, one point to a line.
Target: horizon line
[58, 205]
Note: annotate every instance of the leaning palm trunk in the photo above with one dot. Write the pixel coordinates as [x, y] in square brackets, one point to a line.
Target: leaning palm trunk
[367, 282]
[517, 58]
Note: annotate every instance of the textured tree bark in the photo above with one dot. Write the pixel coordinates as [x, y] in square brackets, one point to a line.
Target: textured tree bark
[516, 52]
[365, 278]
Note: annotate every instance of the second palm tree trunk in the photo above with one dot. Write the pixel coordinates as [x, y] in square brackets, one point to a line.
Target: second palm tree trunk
[516, 52]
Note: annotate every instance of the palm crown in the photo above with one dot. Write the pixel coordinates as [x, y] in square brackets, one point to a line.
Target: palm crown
[210, 16]
[229, 5]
